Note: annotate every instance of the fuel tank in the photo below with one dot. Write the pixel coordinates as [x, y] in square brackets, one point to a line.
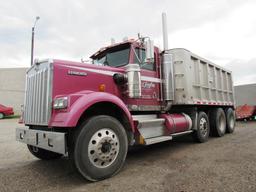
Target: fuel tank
[177, 122]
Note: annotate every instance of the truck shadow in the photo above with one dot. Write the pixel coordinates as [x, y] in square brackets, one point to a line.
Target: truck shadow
[152, 151]
[59, 174]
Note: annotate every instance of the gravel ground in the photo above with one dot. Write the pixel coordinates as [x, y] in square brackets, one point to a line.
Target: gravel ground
[221, 164]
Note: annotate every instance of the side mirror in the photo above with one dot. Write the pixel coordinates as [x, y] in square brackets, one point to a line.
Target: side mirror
[149, 46]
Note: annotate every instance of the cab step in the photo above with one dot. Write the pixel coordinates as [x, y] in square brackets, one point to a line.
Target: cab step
[150, 126]
[157, 140]
[143, 117]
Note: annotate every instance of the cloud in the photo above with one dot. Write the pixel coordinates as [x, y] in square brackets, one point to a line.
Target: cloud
[243, 71]
[222, 31]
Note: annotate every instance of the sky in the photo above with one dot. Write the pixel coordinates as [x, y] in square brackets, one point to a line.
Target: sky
[222, 31]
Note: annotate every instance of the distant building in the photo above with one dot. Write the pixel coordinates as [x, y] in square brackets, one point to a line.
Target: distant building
[12, 87]
[245, 94]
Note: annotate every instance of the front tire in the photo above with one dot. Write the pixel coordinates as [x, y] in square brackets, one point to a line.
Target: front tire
[201, 135]
[100, 148]
[43, 154]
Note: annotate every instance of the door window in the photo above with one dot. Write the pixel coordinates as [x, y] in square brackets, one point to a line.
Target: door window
[140, 56]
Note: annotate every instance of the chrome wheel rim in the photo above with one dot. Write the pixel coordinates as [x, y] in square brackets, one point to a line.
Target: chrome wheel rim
[203, 126]
[103, 148]
[1, 115]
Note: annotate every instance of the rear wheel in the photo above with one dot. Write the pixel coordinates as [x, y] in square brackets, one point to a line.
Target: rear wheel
[201, 135]
[231, 120]
[43, 154]
[100, 148]
[1, 115]
[218, 122]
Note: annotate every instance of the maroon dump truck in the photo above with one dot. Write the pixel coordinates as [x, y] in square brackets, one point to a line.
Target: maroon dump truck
[132, 94]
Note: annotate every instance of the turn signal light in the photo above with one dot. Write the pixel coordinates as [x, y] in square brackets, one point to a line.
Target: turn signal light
[102, 87]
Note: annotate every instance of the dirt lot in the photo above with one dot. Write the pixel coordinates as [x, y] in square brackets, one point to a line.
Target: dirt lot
[221, 164]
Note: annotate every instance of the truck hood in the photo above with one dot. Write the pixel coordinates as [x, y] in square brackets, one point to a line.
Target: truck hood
[71, 77]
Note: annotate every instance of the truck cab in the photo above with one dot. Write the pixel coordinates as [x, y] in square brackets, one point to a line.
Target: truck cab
[134, 52]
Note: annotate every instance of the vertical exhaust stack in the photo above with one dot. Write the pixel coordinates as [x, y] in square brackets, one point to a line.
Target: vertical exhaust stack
[165, 32]
[167, 68]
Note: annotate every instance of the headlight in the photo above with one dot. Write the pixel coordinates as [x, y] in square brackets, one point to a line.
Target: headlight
[60, 103]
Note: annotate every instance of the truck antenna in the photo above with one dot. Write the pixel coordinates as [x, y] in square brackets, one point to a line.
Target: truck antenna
[112, 41]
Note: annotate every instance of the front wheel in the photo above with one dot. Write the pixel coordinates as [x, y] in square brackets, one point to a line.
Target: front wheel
[43, 154]
[100, 148]
[201, 135]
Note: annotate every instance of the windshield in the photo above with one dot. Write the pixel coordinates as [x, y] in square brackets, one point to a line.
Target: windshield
[113, 58]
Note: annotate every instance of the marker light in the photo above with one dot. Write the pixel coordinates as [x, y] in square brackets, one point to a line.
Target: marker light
[102, 87]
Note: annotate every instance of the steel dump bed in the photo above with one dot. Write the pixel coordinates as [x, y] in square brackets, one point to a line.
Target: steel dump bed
[199, 81]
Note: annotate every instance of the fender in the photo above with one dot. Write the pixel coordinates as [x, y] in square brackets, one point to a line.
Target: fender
[70, 117]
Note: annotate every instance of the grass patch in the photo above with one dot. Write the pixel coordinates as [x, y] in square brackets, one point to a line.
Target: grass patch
[12, 117]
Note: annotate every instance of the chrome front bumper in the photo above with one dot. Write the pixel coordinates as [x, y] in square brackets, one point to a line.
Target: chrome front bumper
[49, 140]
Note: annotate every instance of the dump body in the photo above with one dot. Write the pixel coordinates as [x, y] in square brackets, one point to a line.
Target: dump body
[198, 81]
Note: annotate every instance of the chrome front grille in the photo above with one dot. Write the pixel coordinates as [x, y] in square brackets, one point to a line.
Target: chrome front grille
[38, 94]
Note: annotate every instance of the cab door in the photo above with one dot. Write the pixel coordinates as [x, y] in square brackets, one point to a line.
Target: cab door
[150, 81]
